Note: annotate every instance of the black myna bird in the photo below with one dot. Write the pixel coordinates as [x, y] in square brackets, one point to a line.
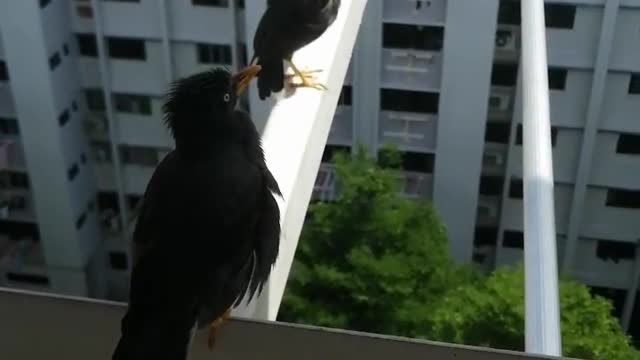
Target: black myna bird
[286, 26]
[208, 230]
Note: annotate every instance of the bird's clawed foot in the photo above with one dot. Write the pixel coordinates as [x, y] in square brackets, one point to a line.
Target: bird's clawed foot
[306, 77]
[214, 328]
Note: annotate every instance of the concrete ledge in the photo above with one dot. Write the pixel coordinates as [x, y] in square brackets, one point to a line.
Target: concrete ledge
[40, 326]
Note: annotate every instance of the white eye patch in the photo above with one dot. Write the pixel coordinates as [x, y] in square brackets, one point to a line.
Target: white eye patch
[227, 97]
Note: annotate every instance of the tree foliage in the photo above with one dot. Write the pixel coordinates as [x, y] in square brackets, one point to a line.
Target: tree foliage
[491, 313]
[375, 261]
[371, 260]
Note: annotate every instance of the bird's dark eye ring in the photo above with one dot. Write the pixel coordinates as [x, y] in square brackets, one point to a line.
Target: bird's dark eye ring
[227, 97]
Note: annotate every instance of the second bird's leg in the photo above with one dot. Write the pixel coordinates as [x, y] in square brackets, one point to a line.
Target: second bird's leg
[306, 79]
[215, 327]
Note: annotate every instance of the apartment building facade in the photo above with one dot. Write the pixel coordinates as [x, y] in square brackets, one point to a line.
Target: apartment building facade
[80, 113]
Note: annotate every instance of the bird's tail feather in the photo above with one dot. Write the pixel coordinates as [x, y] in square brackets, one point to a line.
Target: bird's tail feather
[270, 77]
[154, 336]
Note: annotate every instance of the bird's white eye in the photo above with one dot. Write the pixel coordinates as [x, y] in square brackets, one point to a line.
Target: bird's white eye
[227, 97]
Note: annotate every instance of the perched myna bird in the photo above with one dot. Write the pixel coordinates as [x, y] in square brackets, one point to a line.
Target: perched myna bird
[209, 227]
[285, 27]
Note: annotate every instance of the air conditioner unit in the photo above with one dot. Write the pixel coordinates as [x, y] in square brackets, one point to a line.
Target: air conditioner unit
[505, 40]
[499, 102]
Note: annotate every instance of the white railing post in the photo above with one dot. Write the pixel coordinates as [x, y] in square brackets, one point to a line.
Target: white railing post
[542, 333]
[294, 138]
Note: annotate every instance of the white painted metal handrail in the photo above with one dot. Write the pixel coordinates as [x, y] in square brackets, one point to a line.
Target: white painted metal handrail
[542, 331]
[295, 136]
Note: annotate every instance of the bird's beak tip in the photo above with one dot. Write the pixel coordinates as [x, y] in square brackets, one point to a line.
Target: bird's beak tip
[244, 77]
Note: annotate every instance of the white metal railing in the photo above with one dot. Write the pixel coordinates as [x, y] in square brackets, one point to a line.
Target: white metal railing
[294, 160]
[542, 320]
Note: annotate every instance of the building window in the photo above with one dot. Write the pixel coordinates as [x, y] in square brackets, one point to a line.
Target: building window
[412, 37]
[137, 155]
[19, 180]
[634, 84]
[504, 74]
[4, 73]
[101, 152]
[73, 172]
[497, 132]
[132, 104]
[345, 96]
[214, 54]
[118, 260]
[54, 61]
[9, 126]
[95, 99]
[124, 48]
[491, 185]
[239, 4]
[44, 3]
[615, 296]
[629, 199]
[559, 15]
[409, 101]
[65, 49]
[516, 189]
[628, 144]
[513, 239]
[485, 236]
[554, 135]
[615, 250]
[418, 162]
[242, 54]
[218, 3]
[64, 117]
[107, 201]
[33, 279]
[17, 202]
[557, 78]
[87, 45]
[81, 220]
[84, 11]
[509, 12]
[556, 15]
[331, 150]
[20, 230]
[133, 201]
[74, 106]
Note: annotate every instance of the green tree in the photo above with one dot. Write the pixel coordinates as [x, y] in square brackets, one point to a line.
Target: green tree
[374, 261]
[371, 260]
[491, 313]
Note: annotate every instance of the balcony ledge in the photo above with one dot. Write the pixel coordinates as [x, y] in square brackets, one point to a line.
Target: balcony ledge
[39, 326]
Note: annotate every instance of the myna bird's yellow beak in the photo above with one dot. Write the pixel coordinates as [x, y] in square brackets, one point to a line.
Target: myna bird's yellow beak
[243, 78]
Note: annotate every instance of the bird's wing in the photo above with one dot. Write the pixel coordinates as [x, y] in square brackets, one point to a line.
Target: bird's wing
[266, 234]
[192, 244]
